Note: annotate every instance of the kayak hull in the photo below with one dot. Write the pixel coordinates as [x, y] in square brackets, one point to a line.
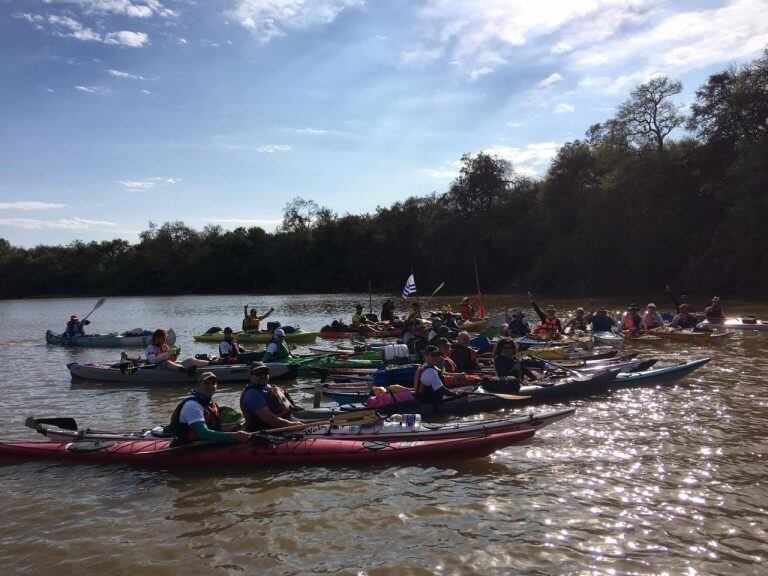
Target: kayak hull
[305, 452]
[298, 337]
[664, 375]
[115, 340]
[388, 430]
[738, 324]
[150, 375]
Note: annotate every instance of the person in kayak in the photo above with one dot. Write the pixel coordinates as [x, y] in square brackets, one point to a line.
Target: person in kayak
[578, 322]
[714, 312]
[516, 324]
[444, 362]
[230, 352]
[601, 322]
[651, 320]
[277, 349]
[437, 323]
[415, 313]
[388, 312]
[197, 417]
[685, 319]
[161, 354]
[252, 320]
[550, 326]
[75, 327]
[507, 364]
[630, 320]
[265, 406]
[467, 310]
[678, 303]
[463, 356]
[359, 319]
[429, 383]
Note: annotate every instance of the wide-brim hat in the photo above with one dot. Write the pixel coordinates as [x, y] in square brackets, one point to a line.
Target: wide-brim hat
[259, 368]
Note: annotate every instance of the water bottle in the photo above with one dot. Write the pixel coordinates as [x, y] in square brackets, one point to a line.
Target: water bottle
[412, 420]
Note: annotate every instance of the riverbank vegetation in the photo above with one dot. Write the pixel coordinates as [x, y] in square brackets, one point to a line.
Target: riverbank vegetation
[625, 209]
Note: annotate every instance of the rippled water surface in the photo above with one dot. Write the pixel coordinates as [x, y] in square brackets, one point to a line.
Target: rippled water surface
[640, 481]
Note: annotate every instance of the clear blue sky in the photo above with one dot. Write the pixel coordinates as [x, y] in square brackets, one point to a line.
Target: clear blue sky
[118, 112]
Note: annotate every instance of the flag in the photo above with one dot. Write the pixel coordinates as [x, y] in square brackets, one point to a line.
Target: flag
[410, 287]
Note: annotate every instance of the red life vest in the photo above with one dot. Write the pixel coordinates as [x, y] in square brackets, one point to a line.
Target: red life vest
[467, 312]
[184, 432]
[230, 358]
[547, 325]
[418, 385]
[450, 365]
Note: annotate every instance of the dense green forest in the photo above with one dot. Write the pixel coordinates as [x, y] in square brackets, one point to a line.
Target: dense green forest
[622, 210]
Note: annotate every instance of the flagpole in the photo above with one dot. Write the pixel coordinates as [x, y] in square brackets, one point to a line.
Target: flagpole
[477, 279]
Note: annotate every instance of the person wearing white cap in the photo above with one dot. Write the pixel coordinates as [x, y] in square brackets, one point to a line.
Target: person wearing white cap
[277, 350]
[714, 312]
[651, 319]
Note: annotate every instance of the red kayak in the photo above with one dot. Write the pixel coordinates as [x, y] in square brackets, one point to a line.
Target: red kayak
[316, 451]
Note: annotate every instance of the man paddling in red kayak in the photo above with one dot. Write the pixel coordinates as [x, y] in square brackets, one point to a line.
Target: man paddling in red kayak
[264, 406]
[197, 417]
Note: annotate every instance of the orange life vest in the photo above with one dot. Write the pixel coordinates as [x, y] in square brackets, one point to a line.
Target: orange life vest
[418, 385]
[164, 348]
[547, 325]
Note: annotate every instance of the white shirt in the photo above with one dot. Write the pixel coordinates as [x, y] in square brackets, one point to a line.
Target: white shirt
[154, 357]
[226, 349]
[191, 412]
[431, 378]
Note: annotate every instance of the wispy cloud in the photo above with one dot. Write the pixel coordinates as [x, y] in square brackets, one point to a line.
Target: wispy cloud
[551, 79]
[484, 71]
[131, 8]
[564, 108]
[270, 19]
[147, 184]
[532, 159]
[30, 205]
[66, 26]
[272, 148]
[60, 224]
[98, 90]
[127, 75]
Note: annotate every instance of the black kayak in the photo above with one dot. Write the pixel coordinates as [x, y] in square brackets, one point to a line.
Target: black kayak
[472, 404]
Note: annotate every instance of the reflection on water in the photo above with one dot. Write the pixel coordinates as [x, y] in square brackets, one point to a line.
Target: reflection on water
[640, 481]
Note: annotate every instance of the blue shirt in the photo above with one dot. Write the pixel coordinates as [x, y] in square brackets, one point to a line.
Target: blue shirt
[255, 399]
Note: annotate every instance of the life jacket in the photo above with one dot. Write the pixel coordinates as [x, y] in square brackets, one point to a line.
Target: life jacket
[547, 325]
[231, 357]
[282, 351]
[162, 349]
[629, 322]
[450, 365]
[251, 323]
[277, 402]
[467, 312]
[183, 433]
[464, 358]
[420, 390]
[579, 324]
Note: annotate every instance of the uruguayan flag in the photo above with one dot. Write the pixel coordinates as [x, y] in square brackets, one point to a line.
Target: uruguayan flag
[410, 287]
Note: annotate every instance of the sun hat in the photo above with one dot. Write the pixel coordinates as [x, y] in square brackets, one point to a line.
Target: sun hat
[279, 333]
[259, 368]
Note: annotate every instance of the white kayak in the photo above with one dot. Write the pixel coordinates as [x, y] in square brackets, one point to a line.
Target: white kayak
[738, 324]
[127, 339]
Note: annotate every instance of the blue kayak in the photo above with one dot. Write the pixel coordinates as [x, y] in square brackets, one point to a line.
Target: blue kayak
[135, 338]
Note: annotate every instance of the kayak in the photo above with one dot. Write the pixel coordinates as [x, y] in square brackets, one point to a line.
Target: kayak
[305, 451]
[692, 337]
[362, 332]
[390, 430]
[738, 324]
[473, 404]
[125, 339]
[151, 374]
[608, 338]
[473, 326]
[663, 375]
[262, 337]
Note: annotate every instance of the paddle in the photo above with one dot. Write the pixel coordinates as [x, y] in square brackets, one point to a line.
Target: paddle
[358, 418]
[64, 423]
[99, 304]
[498, 395]
[560, 366]
[424, 306]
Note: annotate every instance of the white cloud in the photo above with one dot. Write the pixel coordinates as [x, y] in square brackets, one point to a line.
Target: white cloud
[272, 148]
[563, 108]
[269, 19]
[127, 38]
[127, 75]
[60, 224]
[30, 205]
[313, 131]
[551, 79]
[484, 71]
[130, 8]
[98, 90]
[533, 159]
[148, 184]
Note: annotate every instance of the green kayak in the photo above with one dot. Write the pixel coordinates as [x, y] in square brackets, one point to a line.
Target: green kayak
[298, 337]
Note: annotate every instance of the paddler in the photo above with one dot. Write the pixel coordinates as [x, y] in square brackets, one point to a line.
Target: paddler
[516, 324]
[651, 319]
[264, 406]
[444, 362]
[415, 313]
[252, 320]
[437, 323]
[550, 326]
[578, 322]
[506, 363]
[161, 354]
[429, 383]
[388, 311]
[230, 352]
[277, 349]
[630, 320]
[467, 310]
[75, 327]
[714, 312]
[197, 417]
[685, 319]
[463, 356]
[601, 321]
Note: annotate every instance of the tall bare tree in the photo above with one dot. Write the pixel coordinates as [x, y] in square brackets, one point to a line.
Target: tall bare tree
[648, 116]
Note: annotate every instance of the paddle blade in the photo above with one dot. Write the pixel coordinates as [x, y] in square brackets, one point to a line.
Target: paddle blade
[99, 303]
[63, 423]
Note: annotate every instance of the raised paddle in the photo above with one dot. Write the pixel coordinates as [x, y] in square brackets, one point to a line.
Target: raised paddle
[63, 423]
[99, 303]
[424, 306]
[358, 418]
